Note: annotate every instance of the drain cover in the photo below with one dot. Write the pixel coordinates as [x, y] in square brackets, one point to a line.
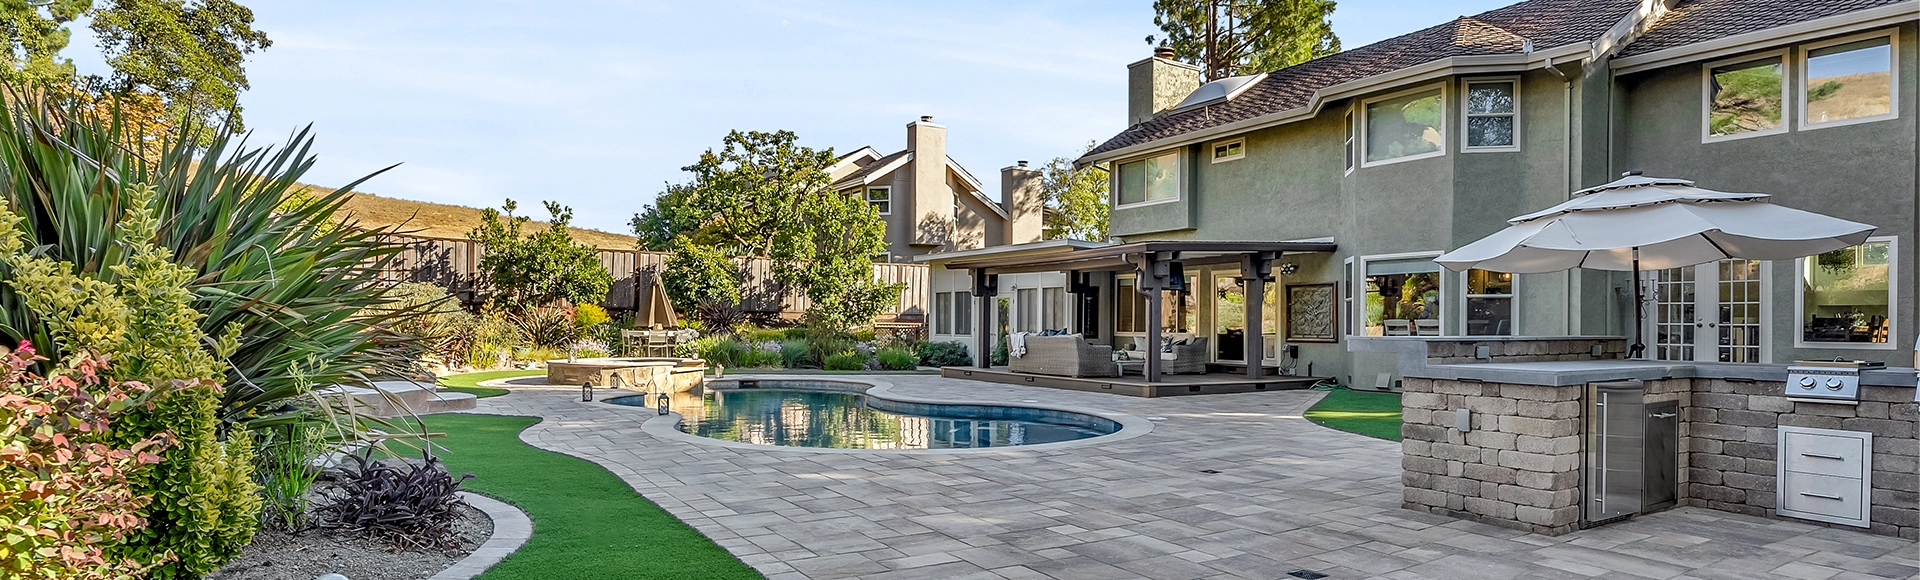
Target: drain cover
[1307, 574]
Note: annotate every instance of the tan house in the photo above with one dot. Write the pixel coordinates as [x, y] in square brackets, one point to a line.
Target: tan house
[931, 204]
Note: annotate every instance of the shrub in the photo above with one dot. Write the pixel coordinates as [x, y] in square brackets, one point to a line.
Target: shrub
[897, 359]
[864, 335]
[943, 354]
[758, 335]
[703, 281]
[757, 358]
[1000, 352]
[541, 354]
[286, 473]
[548, 327]
[793, 354]
[846, 361]
[494, 340]
[590, 315]
[408, 505]
[538, 269]
[444, 330]
[56, 514]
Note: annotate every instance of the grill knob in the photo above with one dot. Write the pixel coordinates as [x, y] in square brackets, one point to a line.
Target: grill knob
[1806, 383]
[1833, 384]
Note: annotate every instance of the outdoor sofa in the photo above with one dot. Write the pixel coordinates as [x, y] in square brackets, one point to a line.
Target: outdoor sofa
[1182, 358]
[1064, 355]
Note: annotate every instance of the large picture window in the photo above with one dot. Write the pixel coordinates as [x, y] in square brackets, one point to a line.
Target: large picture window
[1846, 296]
[1745, 98]
[1130, 307]
[1151, 179]
[1177, 309]
[1493, 118]
[1027, 306]
[1053, 312]
[1403, 298]
[1489, 303]
[1406, 127]
[1851, 81]
[953, 313]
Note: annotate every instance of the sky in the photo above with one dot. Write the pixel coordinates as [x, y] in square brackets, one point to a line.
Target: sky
[598, 104]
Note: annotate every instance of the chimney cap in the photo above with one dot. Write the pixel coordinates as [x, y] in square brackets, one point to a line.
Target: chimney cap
[1163, 51]
[926, 118]
[1023, 163]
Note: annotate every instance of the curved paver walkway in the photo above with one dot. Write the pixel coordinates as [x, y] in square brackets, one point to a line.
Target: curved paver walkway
[1288, 495]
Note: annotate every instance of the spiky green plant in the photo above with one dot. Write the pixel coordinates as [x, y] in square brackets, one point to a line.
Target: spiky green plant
[296, 284]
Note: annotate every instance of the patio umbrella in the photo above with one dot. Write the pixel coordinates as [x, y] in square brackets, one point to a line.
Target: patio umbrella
[1649, 223]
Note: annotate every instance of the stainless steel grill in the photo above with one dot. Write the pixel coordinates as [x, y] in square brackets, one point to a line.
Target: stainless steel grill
[1826, 381]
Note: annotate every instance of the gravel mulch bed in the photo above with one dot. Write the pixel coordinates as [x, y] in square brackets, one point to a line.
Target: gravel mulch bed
[276, 555]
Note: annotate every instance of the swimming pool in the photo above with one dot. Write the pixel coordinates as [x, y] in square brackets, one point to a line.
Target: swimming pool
[839, 416]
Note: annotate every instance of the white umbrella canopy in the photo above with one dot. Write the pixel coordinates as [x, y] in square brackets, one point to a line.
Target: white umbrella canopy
[1669, 221]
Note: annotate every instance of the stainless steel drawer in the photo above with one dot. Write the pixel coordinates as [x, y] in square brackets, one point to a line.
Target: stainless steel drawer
[1823, 454]
[1812, 496]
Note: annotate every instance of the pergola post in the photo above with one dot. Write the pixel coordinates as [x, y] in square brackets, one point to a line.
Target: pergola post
[985, 287]
[1255, 270]
[1151, 278]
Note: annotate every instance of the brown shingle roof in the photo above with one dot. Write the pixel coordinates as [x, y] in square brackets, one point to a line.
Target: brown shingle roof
[1547, 23]
[1695, 21]
[861, 173]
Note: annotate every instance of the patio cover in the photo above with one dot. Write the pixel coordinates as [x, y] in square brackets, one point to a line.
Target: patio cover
[1155, 263]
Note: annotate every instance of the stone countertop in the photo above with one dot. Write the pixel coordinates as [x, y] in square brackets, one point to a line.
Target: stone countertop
[1413, 363]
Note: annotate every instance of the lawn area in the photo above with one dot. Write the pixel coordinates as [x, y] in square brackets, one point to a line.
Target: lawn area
[1371, 414]
[587, 523]
[470, 382]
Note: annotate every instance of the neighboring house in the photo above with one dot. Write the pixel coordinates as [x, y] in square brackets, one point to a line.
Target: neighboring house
[931, 204]
[1406, 148]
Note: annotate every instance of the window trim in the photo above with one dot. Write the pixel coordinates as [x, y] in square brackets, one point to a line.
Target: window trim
[1804, 53]
[1893, 303]
[1360, 280]
[1467, 295]
[1465, 116]
[1361, 153]
[1706, 95]
[1214, 150]
[1352, 160]
[1179, 178]
[868, 195]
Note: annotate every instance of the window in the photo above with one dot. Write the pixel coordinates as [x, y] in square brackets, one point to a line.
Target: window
[881, 198]
[1744, 98]
[1493, 117]
[1130, 307]
[1405, 127]
[1230, 150]
[1026, 303]
[1403, 297]
[963, 313]
[1053, 308]
[943, 313]
[1848, 82]
[1489, 303]
[1352, 131]
[1149, 180]
[1846, 296]
[1177, 309]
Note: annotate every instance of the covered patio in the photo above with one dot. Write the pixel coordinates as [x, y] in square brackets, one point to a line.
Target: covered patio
[1157, 267]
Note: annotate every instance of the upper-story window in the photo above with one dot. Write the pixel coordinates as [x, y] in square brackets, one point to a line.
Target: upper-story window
[1492, 116]
[1352, 135]
[1745, 98]
[881, 198]
[1229, 150]
[1847, 81]
[1150, 180]
[1405, 127]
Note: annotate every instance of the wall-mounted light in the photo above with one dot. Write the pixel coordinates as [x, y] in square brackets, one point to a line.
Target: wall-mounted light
[1289, 268]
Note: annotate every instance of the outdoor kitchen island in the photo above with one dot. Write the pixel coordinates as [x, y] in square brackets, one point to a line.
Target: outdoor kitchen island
[1551, 446]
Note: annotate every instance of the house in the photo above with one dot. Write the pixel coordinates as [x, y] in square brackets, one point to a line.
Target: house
[1356, 169]
[932, 204]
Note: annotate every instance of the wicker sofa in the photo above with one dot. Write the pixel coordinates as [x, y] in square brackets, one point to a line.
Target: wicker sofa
[1185, 359]
[1067, 356]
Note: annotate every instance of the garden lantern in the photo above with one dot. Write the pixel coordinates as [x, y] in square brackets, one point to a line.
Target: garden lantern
[586, 391]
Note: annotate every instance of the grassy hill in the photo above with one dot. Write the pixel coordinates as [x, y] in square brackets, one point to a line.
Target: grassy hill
[441, 220]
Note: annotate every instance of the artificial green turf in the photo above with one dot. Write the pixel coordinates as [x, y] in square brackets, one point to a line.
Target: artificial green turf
[1371, 414]
[587, 524]
[470, 382]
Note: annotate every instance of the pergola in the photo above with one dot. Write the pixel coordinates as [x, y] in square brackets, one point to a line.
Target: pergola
[1155, 264]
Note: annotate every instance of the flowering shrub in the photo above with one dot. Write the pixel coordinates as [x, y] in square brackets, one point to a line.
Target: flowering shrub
[64, 490]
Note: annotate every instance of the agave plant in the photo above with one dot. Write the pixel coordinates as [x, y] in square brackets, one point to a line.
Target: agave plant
[271, 260]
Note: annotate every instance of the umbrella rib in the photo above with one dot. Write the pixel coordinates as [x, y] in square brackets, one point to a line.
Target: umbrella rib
[1724, 255]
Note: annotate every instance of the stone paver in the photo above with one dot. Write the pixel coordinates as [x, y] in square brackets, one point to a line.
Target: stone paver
[1288, 495]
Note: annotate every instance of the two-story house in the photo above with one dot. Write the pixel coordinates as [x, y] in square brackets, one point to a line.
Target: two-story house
[931, 204]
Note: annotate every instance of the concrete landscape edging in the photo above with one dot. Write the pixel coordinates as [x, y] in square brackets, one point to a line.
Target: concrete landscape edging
[511, 529]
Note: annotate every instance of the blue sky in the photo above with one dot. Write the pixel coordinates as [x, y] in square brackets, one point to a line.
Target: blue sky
[598, 104]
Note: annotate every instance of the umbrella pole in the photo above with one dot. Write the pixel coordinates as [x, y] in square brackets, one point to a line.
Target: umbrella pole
[1639, 347]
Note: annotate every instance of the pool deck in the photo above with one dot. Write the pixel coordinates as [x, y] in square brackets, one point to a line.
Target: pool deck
[1135, 385]
[1288, 495]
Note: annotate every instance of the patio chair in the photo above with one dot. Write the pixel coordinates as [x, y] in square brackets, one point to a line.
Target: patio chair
[659, 342]
[632, 341]
[1426, 327]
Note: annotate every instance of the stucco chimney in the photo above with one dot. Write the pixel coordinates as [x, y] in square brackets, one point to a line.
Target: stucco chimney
[1157, 84]
[932, 199]
[1025, 202]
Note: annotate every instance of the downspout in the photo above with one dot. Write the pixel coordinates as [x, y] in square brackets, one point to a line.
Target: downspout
[1566, 169]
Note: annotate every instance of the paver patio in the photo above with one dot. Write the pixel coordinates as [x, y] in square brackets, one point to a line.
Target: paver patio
[1289, 495]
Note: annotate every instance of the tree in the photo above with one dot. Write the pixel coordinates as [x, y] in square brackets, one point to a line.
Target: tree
[189, 53]
[1229, 38]
[530, 271]
[763, 195]
[1076, 200]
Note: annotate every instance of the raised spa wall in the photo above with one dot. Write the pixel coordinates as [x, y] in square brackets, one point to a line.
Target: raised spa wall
[1520, 464]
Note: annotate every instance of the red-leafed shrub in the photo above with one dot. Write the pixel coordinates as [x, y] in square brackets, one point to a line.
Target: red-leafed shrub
[64, 491]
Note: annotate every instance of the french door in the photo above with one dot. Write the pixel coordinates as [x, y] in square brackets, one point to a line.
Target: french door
[1708, 313]
[1230, 319]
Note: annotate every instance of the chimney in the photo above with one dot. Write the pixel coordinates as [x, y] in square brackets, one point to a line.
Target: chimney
[1157, 84]
[1025, 203]
[931, 199]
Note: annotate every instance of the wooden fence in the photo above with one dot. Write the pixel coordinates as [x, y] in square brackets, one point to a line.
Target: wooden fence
[455, 264]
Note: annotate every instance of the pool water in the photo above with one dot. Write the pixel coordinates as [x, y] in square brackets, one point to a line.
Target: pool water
[845, 420]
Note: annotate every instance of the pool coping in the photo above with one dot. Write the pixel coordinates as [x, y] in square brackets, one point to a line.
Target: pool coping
[666, 426]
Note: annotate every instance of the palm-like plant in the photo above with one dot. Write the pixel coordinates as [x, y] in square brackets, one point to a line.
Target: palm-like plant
[271, 261]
